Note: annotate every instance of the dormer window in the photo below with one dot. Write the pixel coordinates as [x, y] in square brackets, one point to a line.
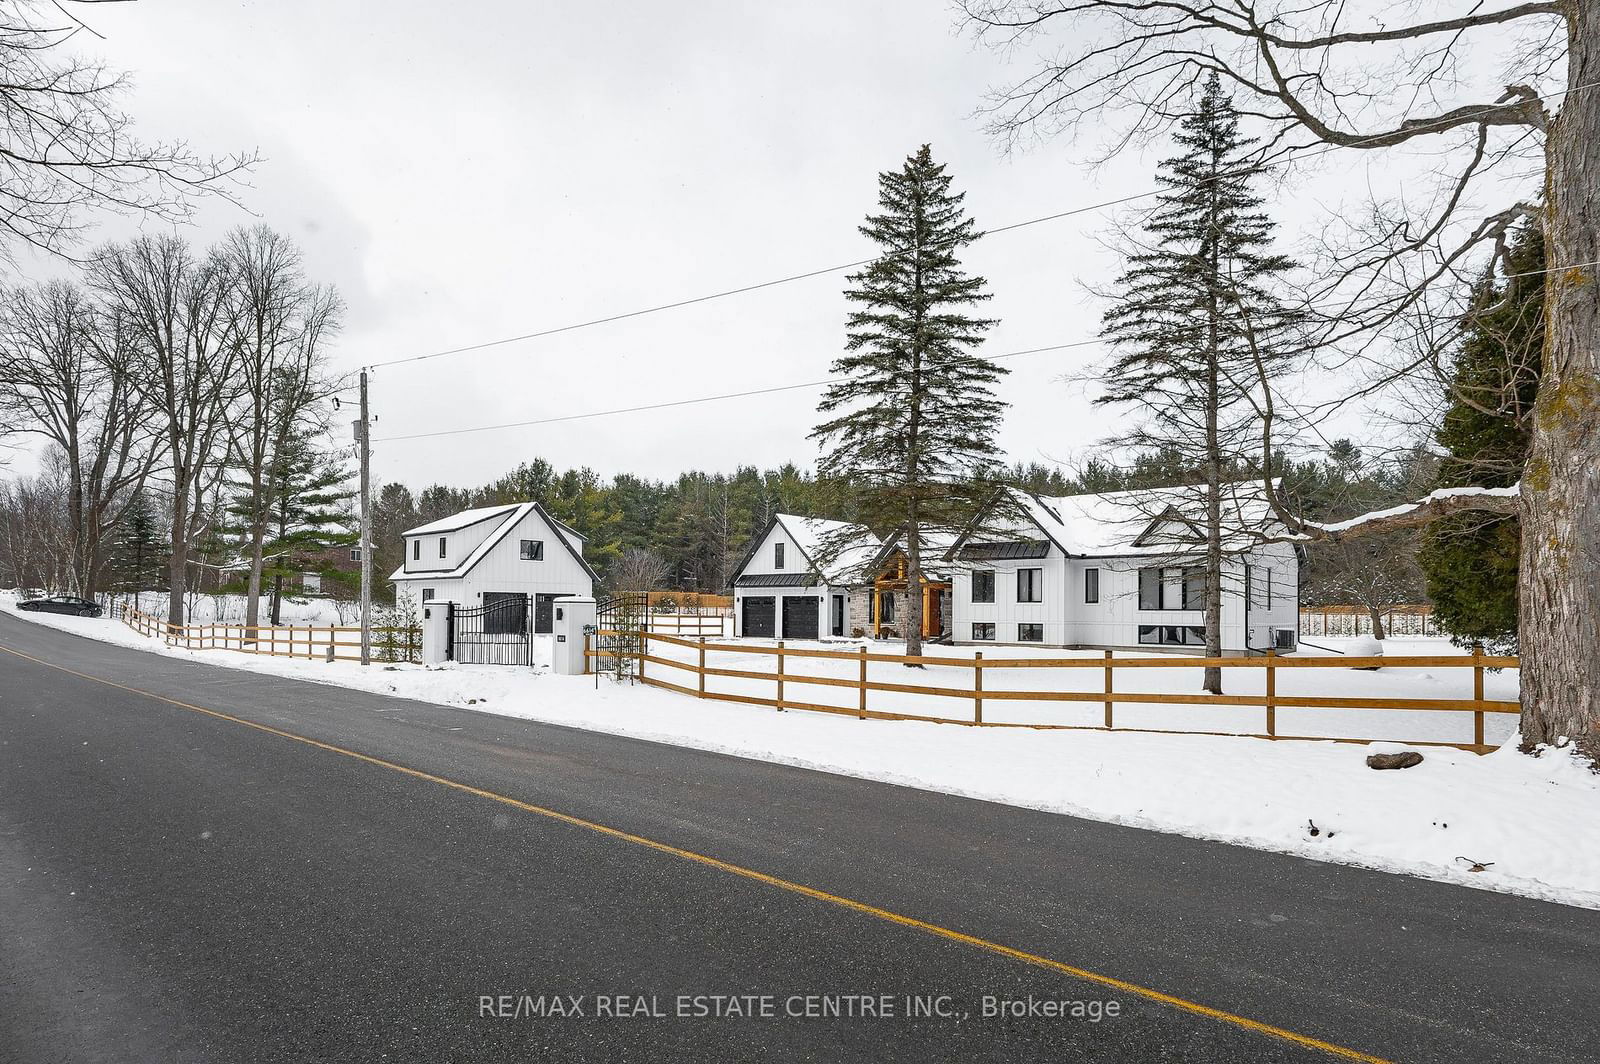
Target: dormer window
[777, 555]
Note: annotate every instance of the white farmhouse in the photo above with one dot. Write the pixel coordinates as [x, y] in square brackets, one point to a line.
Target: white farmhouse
[480, 557]
[1120, 570]
[794, 581]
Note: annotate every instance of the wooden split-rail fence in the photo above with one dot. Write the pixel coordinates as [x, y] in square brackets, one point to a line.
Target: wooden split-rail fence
[311, 642]
[978, 693]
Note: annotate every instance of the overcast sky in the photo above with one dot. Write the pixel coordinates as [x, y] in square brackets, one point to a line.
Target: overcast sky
[474, 171]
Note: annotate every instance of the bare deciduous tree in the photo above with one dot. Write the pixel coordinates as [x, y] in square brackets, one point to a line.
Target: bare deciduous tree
[1362, 77]
[64, 376]
[67, 146]
[184, 367]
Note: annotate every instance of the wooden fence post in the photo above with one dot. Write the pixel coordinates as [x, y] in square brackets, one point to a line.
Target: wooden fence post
[644, 645]
[862, 685]
[1272, 693]
[702, 669]
[977, 688]
[780, 676]
[586, 653]
[1108, 690]
[1477, 694]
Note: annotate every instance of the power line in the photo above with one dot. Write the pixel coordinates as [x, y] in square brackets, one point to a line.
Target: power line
[689, 402]
[777, 388]
[1291, 155]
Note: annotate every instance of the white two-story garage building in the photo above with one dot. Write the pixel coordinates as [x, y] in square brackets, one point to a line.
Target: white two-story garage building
[481, 557]
[1121, 570]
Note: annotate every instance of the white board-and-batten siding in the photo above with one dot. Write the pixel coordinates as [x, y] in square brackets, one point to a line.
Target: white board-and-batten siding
[502, 568]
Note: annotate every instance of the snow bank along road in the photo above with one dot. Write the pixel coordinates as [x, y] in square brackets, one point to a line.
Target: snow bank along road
[202, 864]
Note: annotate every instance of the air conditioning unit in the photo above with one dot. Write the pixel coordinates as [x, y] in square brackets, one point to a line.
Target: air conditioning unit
[1284, 639]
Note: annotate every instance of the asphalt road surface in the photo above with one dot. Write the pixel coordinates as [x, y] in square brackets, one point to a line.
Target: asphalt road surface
[179, 885]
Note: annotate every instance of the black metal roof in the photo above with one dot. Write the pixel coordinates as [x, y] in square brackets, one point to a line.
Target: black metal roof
[776, 580]
[1003, 551]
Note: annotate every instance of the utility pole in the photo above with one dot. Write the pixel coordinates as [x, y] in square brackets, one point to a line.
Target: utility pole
[365, 451]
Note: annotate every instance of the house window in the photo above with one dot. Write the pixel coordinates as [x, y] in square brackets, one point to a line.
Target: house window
[983, 585]
[355, 554]
[427, 594]
[1249, 586]
[1149, 589]
[1091, 585]
[1030, 633]
[533, 550]
[886, 607]
[416, 550]
[777, 555]
[1030, 585]
[1179, 635]
[1194, 589]
[983, 632]
[1266, 589]
[442, 541]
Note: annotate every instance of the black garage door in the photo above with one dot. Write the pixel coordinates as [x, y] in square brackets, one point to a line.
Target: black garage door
[800, 618]
[758, 616]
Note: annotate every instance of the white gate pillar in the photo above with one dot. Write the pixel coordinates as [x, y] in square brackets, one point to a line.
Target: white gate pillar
[436, 632]
[573, 614]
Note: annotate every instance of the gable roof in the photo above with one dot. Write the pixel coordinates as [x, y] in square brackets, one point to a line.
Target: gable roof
[512, 515]
[936, 546]
[1126, 523]
[857, 546]
[457, 521]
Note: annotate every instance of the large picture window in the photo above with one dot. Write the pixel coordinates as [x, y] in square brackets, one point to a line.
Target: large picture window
[1150, 595]
[1175, 635]
[983, 585]
[1194, 589]
[1030, 585]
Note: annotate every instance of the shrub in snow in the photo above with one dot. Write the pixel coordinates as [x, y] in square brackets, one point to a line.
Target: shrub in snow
[1364, 646]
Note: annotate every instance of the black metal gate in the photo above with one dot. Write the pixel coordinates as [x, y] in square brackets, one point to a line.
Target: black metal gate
[618, 639]
[495, 633]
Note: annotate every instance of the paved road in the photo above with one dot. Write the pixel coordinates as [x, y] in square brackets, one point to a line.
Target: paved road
[175, 886]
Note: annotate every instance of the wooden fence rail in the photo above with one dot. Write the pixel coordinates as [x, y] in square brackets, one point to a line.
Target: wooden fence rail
[311, 642]
[1108, 696]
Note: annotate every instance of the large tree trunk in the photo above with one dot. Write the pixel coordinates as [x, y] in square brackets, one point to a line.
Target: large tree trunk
[913, 592]
[1377, 622]
[178, 562]
[1559, 592]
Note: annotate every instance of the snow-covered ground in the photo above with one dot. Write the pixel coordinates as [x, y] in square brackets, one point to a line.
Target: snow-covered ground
[229, 609]
[1405, 725]
[1525, 819]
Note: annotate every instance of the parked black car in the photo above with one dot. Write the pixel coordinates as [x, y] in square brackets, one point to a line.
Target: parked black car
[62, 604]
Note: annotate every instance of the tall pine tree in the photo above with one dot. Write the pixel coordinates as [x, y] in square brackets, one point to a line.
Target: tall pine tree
[1470, 560]
[1196, 324]
[912, 425]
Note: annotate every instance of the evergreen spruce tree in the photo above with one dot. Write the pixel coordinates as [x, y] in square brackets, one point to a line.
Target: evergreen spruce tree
[912, 425]
[311, 495]
[1470, 560]
[140, 558]
[1194, 313]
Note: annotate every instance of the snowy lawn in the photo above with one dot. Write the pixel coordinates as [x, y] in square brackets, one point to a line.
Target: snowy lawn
[1523, 817]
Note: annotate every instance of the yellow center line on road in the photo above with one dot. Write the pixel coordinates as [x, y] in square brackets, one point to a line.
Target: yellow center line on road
[1111, 982]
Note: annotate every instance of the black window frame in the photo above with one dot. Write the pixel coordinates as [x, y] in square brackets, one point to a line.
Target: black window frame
[428, 594]
[1024, 626]
[1036, 584]
[1091, 584]
[777, 554]
[1147, 601]
[983, 631]
[416, 549]
[1266, 591]
[1194, 588]
[536, 554]
[987, 579]
[443, 541]
[1173, 635]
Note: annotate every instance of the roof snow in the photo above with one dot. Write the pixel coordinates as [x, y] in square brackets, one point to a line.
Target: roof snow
[462, 520]
[837, 549]
[1147, 520]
